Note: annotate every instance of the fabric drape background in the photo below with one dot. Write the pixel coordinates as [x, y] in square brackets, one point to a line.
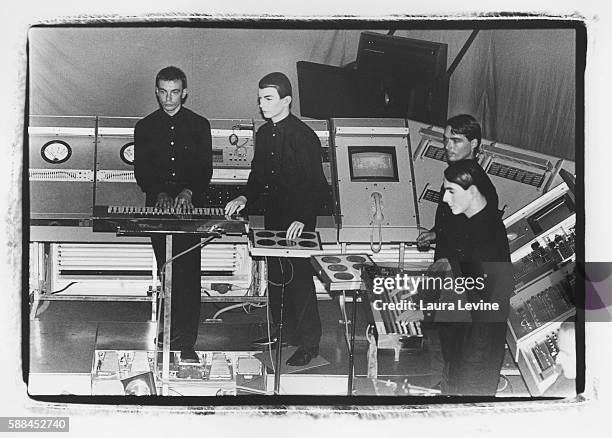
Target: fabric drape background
[519, 82]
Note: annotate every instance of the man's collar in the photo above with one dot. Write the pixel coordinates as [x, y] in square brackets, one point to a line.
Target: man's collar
[281, 122]
[165, 114]
[482, 214]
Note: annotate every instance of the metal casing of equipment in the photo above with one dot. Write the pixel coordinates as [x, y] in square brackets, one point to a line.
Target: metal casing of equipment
[233, 150]
[102, 147]
[542, 245]
[520, 175]
[521, 226]
[375, 184]
[127, 269]
[115, 182]
[61, 157]
[536, 359]
[429, 160]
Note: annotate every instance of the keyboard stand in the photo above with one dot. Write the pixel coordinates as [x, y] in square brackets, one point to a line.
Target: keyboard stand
[166, 297]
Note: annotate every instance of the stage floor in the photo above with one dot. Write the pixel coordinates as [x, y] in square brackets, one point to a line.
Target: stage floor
[66, 334]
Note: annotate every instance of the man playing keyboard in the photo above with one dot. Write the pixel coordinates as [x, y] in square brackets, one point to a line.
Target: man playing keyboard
[173, 167]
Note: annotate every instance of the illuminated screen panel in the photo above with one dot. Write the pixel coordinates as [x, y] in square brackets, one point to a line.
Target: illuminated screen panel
[378, 163]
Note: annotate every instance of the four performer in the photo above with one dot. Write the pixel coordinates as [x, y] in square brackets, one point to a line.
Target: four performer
[173, 167]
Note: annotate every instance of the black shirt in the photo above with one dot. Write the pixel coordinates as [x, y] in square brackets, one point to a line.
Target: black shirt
[287, 166]
[481, 250]
[172, 153]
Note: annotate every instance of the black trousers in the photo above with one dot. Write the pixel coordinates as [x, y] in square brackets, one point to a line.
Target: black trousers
[186, 289]
[301, 322]
[473, 355]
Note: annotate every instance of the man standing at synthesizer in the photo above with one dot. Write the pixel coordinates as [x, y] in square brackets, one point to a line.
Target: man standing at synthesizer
[287, 166]
[173, 167]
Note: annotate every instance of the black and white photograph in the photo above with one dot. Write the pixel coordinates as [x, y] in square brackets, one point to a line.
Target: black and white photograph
[314, 212]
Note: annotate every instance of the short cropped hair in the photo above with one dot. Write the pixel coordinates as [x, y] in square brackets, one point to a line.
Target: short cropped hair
[278, 81]
[465, 124]
[171, 73]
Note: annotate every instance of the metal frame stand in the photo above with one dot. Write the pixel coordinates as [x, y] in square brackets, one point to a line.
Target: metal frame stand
[352, 345]
[167, 306]
[167, 297]
[350, 338]
[279, 342]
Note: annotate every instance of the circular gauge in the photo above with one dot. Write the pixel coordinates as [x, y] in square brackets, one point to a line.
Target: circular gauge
[56, 152]
[127, 153]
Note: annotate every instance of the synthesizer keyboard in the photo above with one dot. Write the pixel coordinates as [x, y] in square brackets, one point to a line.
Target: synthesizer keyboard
[125, 220]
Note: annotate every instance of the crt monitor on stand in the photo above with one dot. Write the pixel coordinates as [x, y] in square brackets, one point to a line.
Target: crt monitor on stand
[327, 91]
[399, 56]
[413, 72]
[373, 164]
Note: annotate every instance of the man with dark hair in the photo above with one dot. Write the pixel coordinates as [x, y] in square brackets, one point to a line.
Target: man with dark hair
[287, 166]
[473, 347]
[462, 138]
[173, 167]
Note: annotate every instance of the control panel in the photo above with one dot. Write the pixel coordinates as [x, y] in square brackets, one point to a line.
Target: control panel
[61, 159]
[233, 144]
[375, 191]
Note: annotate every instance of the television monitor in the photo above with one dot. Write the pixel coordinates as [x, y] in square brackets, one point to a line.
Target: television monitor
[327, 92]
[413, 71]
[418, 60]
[373, 163]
